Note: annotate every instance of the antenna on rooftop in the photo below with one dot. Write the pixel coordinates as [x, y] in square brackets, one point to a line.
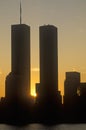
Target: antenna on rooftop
[20, 13]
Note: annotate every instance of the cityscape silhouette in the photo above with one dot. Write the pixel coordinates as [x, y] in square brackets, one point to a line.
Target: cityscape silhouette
[18, 106]
[48, 106]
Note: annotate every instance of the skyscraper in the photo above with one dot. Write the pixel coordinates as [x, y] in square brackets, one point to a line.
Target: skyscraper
[72, 82]
[48, 63]
[18, 81]
[71, 85]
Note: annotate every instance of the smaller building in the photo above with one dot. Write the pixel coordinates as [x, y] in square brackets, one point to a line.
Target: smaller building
[82, 89]
[71, 84]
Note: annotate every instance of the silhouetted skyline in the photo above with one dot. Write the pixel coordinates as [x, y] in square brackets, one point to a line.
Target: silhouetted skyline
[18, 106]
[47, 107]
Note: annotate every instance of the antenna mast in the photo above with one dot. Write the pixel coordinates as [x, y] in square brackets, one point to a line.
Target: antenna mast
[20, 13]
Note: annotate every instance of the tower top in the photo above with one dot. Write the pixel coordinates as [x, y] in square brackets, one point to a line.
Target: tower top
[20, 13]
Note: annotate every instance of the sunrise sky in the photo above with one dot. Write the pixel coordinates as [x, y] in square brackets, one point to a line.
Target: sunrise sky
[70, 18]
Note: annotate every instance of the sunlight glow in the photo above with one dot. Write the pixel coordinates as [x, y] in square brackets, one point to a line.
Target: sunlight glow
[35, 69]
[34, 94]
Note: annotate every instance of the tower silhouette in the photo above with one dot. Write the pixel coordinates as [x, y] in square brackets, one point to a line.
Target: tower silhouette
[71, 84]
[48, 63]
[18, 81]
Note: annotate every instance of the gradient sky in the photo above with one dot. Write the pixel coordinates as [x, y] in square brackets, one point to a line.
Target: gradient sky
[70, 18]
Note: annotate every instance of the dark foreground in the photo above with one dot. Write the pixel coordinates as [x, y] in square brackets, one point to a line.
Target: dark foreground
[22, 114]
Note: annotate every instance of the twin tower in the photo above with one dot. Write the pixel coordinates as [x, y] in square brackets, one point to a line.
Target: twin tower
[18, 80]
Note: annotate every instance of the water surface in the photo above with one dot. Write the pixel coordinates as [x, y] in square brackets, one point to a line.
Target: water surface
[44, 127]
